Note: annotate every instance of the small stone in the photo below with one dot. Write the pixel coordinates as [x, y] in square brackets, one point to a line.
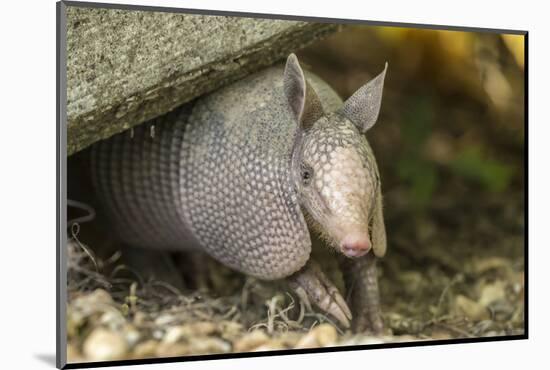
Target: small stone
[158, 334]
[307, 341]
[73, 324]
[201, 328]
[440, 334]
[145, 349]
[105, 345]
[470, 308]
[400, 338]
[369, 339]
[173, 334]
[140, 318]
[113, 319]
[165, 319]
[231, 329]
[250, 341]
[272, 345]
[289, 339]
[172, 349]
[190, 331]
[87, 304]
[73, 354]
[326, 335]
[321, 336]
[360, 340]
[131, 334]
[491, 293]
[204, 345]
[100, 296]
[92, 300]
[486, 264]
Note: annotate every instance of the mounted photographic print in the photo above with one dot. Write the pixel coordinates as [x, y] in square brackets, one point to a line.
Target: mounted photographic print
[252, 184]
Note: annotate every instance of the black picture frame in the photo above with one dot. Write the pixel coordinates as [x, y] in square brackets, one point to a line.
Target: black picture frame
[61, 188]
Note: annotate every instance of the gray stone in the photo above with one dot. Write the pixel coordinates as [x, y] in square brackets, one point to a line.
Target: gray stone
[127, 66]
[323, 335]
[105, 345]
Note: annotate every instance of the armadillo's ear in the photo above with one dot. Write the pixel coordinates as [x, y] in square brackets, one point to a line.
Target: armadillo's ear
[301, 97]
[363, 106]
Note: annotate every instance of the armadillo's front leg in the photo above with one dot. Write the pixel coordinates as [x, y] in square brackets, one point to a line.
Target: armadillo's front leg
[362, 288]
[312, 286]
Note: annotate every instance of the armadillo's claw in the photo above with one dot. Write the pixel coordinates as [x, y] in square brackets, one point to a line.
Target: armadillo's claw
[312, 286]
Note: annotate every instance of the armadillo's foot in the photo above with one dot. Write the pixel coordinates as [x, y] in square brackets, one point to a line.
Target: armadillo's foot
[362, 289]
[151, 264]
[194, 267]
[312, 286]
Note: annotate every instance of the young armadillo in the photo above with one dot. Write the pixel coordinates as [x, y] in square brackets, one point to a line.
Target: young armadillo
[238, 172]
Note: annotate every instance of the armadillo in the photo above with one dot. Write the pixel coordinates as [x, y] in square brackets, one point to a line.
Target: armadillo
[246, 172]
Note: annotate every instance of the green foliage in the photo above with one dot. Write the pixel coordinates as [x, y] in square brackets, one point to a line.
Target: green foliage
[472, 164]
[421, 176]
[419, 173]
[417, 124]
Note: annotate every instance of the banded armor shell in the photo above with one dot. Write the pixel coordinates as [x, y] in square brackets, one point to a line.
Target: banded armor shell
[213, 174]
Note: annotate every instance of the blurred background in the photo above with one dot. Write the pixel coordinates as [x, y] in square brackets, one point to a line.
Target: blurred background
[450, 147]
[449, 143]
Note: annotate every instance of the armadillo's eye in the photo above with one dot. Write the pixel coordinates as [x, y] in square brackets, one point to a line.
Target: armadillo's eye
[307, 174]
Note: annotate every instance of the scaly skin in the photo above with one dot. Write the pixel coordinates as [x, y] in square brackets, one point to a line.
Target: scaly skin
[225, 175]
[361, 280]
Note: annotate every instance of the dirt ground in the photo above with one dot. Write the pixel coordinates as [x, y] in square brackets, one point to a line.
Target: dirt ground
[427, 293]
[450, 152]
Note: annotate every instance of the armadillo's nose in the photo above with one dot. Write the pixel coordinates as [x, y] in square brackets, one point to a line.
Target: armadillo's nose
[355, 245]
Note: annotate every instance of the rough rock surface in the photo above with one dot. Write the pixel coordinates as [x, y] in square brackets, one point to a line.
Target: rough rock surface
[127, 66]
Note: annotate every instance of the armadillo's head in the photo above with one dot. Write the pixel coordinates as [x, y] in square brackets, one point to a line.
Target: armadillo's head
[334, 168]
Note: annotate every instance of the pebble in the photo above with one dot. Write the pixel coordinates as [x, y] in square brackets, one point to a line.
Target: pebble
[91, 306]
[73, 324]
[201, 328]
[470, 308]
[177, 333]
[326, 335]
[113, 319]
[250, 340]
[73, 354]
[140, 318]
[401, 338]
[171, 349]
[491, 293]
[91, 300]
[355, 340]
[364, 339]
[145, 349]
[203, 345]
[321, 336]
[104, 345]
[173, 334]
[100, 296]
[165, 319]
[272, 345]
[158, 334]
[486, 264]
[289, 339]
[131, 334]
[440, 334]
[231, 329]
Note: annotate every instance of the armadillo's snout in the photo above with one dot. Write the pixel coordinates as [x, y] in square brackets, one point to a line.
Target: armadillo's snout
[355, 245]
